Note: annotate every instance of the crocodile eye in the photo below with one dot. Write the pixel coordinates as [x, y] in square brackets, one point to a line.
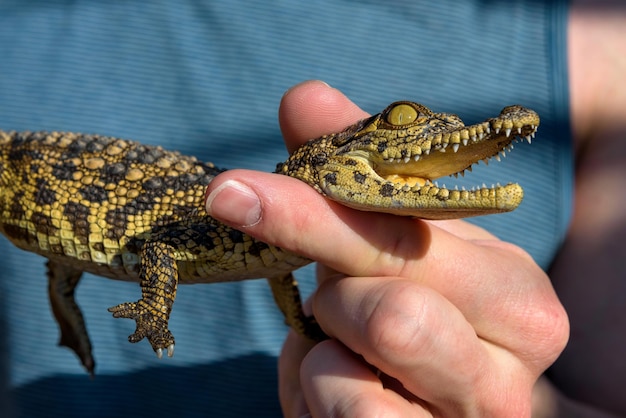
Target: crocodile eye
[402, 114]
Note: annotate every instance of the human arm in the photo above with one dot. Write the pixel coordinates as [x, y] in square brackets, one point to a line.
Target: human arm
[588, 274]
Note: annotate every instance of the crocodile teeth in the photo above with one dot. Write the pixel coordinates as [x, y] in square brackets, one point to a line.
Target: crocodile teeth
[462, 173]
[519, 130]
[455, 147]
[529, 139]
[407, 159]
[465, 141]
[416, 157]
[507, 132]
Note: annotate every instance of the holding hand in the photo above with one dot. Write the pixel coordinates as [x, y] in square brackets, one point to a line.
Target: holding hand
[425, 318]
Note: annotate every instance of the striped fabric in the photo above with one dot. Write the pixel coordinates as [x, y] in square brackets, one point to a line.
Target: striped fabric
[206, 77]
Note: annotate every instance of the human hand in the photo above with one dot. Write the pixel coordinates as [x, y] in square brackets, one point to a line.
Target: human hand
[425, 318]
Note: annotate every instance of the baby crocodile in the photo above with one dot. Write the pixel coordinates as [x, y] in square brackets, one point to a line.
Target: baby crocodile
[134, 212]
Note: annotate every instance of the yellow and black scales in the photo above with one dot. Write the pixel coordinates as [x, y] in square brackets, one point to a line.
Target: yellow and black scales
[129, 211]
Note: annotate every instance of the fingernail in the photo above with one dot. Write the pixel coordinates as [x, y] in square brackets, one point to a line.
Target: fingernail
[321, 82]
[235, 203]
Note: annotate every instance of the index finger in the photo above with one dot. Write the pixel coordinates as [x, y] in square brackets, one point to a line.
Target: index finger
[363, 243]
[454, 258]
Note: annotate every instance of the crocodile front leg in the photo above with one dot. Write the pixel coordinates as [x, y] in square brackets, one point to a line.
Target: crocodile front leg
[287, 297]
[62, 281]
[159, 279]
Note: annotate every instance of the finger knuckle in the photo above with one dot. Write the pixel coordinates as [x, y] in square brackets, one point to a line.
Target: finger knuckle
[364, 404]
[549, 331]
[395, 325]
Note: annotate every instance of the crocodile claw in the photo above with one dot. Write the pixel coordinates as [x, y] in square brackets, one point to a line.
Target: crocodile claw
[150, 325]
[170, 351]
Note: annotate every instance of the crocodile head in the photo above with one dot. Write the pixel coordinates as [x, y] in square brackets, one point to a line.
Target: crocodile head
[389, 162]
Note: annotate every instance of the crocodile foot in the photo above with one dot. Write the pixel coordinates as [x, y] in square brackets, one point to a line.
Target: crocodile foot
[150, 324]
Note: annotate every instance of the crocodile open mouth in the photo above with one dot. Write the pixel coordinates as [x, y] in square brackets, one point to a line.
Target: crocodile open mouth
[389, 162]
[417, 166]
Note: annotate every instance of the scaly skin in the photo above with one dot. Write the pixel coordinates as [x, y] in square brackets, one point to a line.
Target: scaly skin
[386, 163]
[129, 211]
